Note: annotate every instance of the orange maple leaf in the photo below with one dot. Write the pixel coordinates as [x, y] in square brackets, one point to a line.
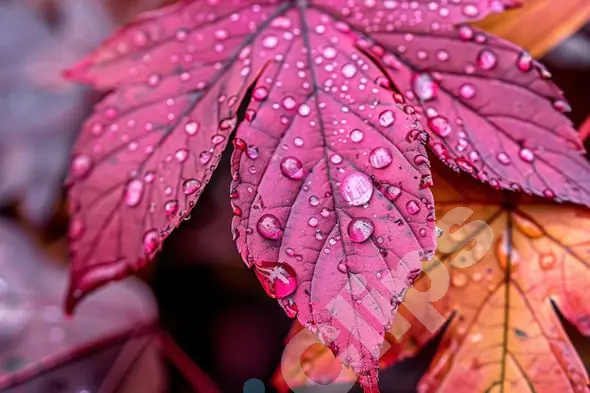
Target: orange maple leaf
[503, 259]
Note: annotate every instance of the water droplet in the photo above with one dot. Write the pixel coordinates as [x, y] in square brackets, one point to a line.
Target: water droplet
[290, 309]
[562, 106]
[269, 226]
[205, 157]
[357, 189]
[341, 267]
[191, 128]
[547, 261]
[386, 118]
[292, 168]
[260, 93]
[360, 229]
[336, 159]
[181, 155]
[486, 59]
[525, 62]
[459, 279]
[349, 70]
[380, 157]
[393, 192]
[440, 126]
[134, 193]
[314, 201]
[270, 42]
[467, 91]
[278, 279]
[81, 166]
[503, 158]
[313, 222]
[252, 152]
[412, 208]
[289, 103]
[304, 110]
[191, 186]
[356, 136]
[526, 155]
[151, 241]
[424, 87]
[171, 208]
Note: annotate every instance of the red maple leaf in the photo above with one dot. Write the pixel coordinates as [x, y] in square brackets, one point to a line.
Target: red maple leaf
[330, 192]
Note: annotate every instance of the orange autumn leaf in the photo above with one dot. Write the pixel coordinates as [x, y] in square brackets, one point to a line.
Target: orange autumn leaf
[502, 259]
[539, 25]
[505, 335]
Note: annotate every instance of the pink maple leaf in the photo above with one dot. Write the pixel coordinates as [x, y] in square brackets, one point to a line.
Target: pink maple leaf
[330, 192]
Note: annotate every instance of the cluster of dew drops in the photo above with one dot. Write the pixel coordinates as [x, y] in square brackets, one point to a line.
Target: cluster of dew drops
[425, 89]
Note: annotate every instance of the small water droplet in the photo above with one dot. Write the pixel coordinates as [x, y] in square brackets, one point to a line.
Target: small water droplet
[412, 208]
[467, 91]
[191, 128]
[151, 241]
[547, 261]
[526, 155]
[486, 59]
[349, 70]
[269, 226]
[459, 279]
[503, 158]
[525, 62]
[356, 136]
[292, 168]
[81, 166]
[424, 87]
[360, 229]
[171, 208]
[134, 193]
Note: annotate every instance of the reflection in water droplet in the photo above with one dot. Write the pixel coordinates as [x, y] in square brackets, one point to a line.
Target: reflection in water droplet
[171, 208]
[191, 186]
[440, 126]
[360, 229]
[380, 157]
[134, 193]
[386, 118]
[413, 208]
[292, 168]
[424, 87]
[269, 226]
[356, 189]
[486, 59]
[277, 279]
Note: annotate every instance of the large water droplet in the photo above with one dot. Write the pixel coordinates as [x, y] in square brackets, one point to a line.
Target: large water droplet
[134, 193]
[360, 229]
[386, 118]
[191, 186]
[292, 168]
[380, 157]
[349, 70]
[277, 279]
[440, 126]
[357, 189]
[269, 226]
[424, 87]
